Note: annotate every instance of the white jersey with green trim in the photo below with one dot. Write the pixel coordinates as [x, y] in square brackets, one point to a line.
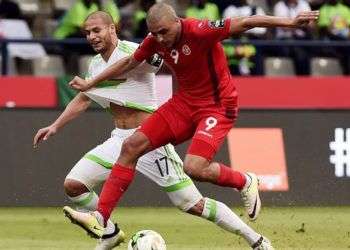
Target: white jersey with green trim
[136, 89]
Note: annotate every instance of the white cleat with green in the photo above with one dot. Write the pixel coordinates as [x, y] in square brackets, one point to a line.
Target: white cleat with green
[250, 196]
[87, 221]
[109, 241]
[263, 244]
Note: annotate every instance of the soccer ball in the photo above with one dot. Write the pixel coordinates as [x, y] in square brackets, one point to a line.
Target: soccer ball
[146, 240]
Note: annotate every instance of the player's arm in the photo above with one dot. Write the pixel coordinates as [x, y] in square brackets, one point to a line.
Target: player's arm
[77, 106]
[242, 24]
[151, 65]
[119, 68]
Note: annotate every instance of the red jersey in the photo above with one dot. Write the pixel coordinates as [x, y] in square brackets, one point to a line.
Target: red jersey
[198, 61]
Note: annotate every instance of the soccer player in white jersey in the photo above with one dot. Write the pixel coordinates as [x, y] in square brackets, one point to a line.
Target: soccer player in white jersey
[131, 99]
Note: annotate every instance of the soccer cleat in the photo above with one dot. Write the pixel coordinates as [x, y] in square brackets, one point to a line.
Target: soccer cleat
[109, 241]
[250, 197]
[87, 221]
[262, 244]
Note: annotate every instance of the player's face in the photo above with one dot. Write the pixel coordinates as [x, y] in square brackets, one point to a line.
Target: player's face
[166, 31]
[98, 34]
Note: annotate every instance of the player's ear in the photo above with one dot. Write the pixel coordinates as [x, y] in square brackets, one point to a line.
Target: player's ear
[116, 27]
[112, 29]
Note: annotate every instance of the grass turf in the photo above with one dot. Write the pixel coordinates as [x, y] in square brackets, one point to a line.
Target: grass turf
[287, 227]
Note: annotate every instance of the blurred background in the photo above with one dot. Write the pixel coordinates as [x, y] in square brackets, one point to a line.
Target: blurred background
[320, 49]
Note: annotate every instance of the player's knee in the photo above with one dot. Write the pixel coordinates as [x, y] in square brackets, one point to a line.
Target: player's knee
[196, 171]
[74, 188]
[134, 146]
[198, 208]
[191, 169]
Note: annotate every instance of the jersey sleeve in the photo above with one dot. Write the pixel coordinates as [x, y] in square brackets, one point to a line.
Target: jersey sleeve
[213, 31]
[146, 49]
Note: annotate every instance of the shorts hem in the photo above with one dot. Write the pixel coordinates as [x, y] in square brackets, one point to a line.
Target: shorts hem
[98, 160]
[81, 180]
[178, 186]
[208, 153]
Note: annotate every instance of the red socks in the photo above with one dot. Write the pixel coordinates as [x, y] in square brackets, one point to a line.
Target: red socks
[230, 178]
[113, 189]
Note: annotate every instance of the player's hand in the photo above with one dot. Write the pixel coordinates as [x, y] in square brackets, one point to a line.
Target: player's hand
[304, 19]
[79, 84]
[43, 134]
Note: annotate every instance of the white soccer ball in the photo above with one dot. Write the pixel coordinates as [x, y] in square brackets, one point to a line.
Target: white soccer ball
[146, 240]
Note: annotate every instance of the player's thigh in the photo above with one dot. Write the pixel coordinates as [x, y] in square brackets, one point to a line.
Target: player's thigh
[95, 166]
[168, 125]
[210, 133]
[165, 168]
[89, 172]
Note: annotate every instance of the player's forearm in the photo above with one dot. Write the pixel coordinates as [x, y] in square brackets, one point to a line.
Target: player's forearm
[242, 24]
[77, 106]
[117, 69]
[270, 22]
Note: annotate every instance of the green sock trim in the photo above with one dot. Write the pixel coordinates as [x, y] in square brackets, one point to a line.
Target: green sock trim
[211, 205]
[98, 160]
[178, 186]
[85, 201]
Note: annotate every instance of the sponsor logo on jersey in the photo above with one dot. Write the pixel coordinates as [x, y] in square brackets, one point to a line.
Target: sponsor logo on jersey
[186, 50]
[204, 133]
[216, 24]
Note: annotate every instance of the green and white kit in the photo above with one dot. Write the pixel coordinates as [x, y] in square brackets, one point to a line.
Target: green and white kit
[134, 90]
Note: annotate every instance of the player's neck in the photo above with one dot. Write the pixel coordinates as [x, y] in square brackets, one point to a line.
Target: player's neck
[107, 54]
[178, 34]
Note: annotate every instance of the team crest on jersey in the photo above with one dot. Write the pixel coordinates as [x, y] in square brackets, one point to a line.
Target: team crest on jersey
[216, 24]
[186, 50]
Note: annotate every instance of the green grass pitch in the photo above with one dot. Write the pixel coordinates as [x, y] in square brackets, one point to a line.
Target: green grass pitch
[287, 227]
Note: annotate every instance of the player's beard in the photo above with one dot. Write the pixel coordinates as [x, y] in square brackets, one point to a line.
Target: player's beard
[167, 44]
[100, 48]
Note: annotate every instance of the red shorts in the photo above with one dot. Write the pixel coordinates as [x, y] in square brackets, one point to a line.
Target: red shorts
[176, 121]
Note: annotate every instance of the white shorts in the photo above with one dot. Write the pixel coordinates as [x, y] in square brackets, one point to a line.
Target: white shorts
[162, 165]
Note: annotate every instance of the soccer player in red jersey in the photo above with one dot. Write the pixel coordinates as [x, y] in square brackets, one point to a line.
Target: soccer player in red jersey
[204, 107]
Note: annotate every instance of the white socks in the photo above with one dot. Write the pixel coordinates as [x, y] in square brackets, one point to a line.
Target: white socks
[225, 218]
[85, 202]
[88, 202]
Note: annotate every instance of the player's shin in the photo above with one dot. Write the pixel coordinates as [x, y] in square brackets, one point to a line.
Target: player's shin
[88, 202]
[230, 178]
[113, 189]
[225, 218]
